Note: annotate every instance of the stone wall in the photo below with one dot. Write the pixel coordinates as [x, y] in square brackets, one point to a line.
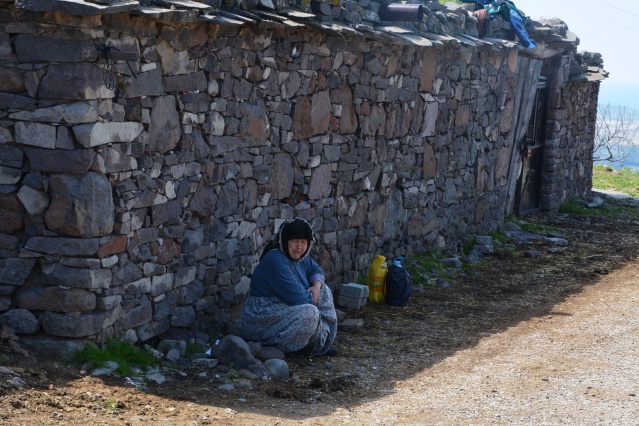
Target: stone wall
[570, 133]
[139, 182]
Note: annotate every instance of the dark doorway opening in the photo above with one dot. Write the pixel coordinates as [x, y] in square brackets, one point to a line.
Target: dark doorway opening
[529, 184]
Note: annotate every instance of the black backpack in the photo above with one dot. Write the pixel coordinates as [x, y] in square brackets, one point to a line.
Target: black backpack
[399, 284]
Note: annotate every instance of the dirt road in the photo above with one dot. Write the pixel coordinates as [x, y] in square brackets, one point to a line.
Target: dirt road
[578, 365]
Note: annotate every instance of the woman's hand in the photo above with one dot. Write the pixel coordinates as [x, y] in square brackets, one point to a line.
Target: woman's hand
[315, 290]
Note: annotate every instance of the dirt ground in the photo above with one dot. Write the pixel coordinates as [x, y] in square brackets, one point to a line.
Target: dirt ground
[534, 335]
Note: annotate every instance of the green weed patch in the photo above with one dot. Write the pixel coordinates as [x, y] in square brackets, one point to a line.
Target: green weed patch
[127, 355]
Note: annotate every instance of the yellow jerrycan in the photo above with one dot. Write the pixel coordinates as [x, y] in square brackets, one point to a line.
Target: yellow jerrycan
[377, 279]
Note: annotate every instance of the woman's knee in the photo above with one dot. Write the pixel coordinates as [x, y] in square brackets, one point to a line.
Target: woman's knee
[310, 319]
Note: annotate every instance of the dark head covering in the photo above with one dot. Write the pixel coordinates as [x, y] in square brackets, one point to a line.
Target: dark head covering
[291, 229]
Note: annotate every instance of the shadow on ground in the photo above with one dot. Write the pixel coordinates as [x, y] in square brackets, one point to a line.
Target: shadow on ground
[511, 286]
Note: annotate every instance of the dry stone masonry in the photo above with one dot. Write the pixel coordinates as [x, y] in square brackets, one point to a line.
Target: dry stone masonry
[148, 151]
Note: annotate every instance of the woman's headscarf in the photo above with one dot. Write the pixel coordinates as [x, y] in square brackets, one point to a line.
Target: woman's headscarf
[291, 229]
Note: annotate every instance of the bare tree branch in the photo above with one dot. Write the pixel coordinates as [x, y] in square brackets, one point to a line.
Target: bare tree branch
[615, 134]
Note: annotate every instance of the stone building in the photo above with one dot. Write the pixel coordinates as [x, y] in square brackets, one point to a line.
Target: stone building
[148, 150]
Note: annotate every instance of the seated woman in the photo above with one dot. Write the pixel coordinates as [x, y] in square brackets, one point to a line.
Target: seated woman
[290, 306]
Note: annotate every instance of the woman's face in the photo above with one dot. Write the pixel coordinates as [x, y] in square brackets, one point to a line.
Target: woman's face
[297, 248]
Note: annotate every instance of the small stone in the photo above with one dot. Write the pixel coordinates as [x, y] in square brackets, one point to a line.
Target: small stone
[156, 377]
[351, 325]
[18, 382]
[278, 369]
[226, 387]
[173, 354]
[532, 253]
[483, 239]
[206, 363]
[452, 262]
[243, 384]
[109, 368]
[559, 242]
[245, 374]
[270, 352]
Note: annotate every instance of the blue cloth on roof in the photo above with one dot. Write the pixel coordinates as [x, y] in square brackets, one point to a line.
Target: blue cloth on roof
[510, 12]
[519, 26]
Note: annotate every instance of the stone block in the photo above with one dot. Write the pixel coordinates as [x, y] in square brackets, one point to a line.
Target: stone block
[11, 80]
[164, 128]
[112, 245]
[69, 113]
[483, 239]
[51, 347]
[242, 287]
[11, 101]
[43, 48]
[193, 82]
[5, 302]
[106, 303]
[351, 302]
[81, 206]
[34, 201]
[354, 290]
[11, 213]
[140, 286]
[190, 293]
[483, 248]
[182, 316]
[320, 182]
[14, 271]
[254, 123]
[80, 325]
[9, 175]
[165, 307]
[11, 156]
[5, 47]
[96, 134]
[147, 84]
[152, 329]
[166, 212]
[115, 161]
[68, 247]
[21, 321]
[5, 138]
[9, 242]
[60, 161]
[74, 82]
[36, 134]
[55, 299]
[78, 278]
[161, 284]
[351, 325]
[184, 276]
[137, 316]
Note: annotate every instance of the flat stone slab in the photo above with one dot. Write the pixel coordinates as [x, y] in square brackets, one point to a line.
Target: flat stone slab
[351, 302]
[524, 236]
[351, 325]
[354, 290]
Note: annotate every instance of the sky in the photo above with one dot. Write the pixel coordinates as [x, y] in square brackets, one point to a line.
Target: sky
[610, 27]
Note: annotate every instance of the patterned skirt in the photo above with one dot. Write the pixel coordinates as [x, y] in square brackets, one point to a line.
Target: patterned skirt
[271, 322]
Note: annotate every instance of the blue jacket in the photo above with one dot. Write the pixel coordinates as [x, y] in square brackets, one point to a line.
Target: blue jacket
[277, 276]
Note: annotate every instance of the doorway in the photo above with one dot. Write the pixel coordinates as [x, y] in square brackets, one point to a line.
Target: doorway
[529, 184]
